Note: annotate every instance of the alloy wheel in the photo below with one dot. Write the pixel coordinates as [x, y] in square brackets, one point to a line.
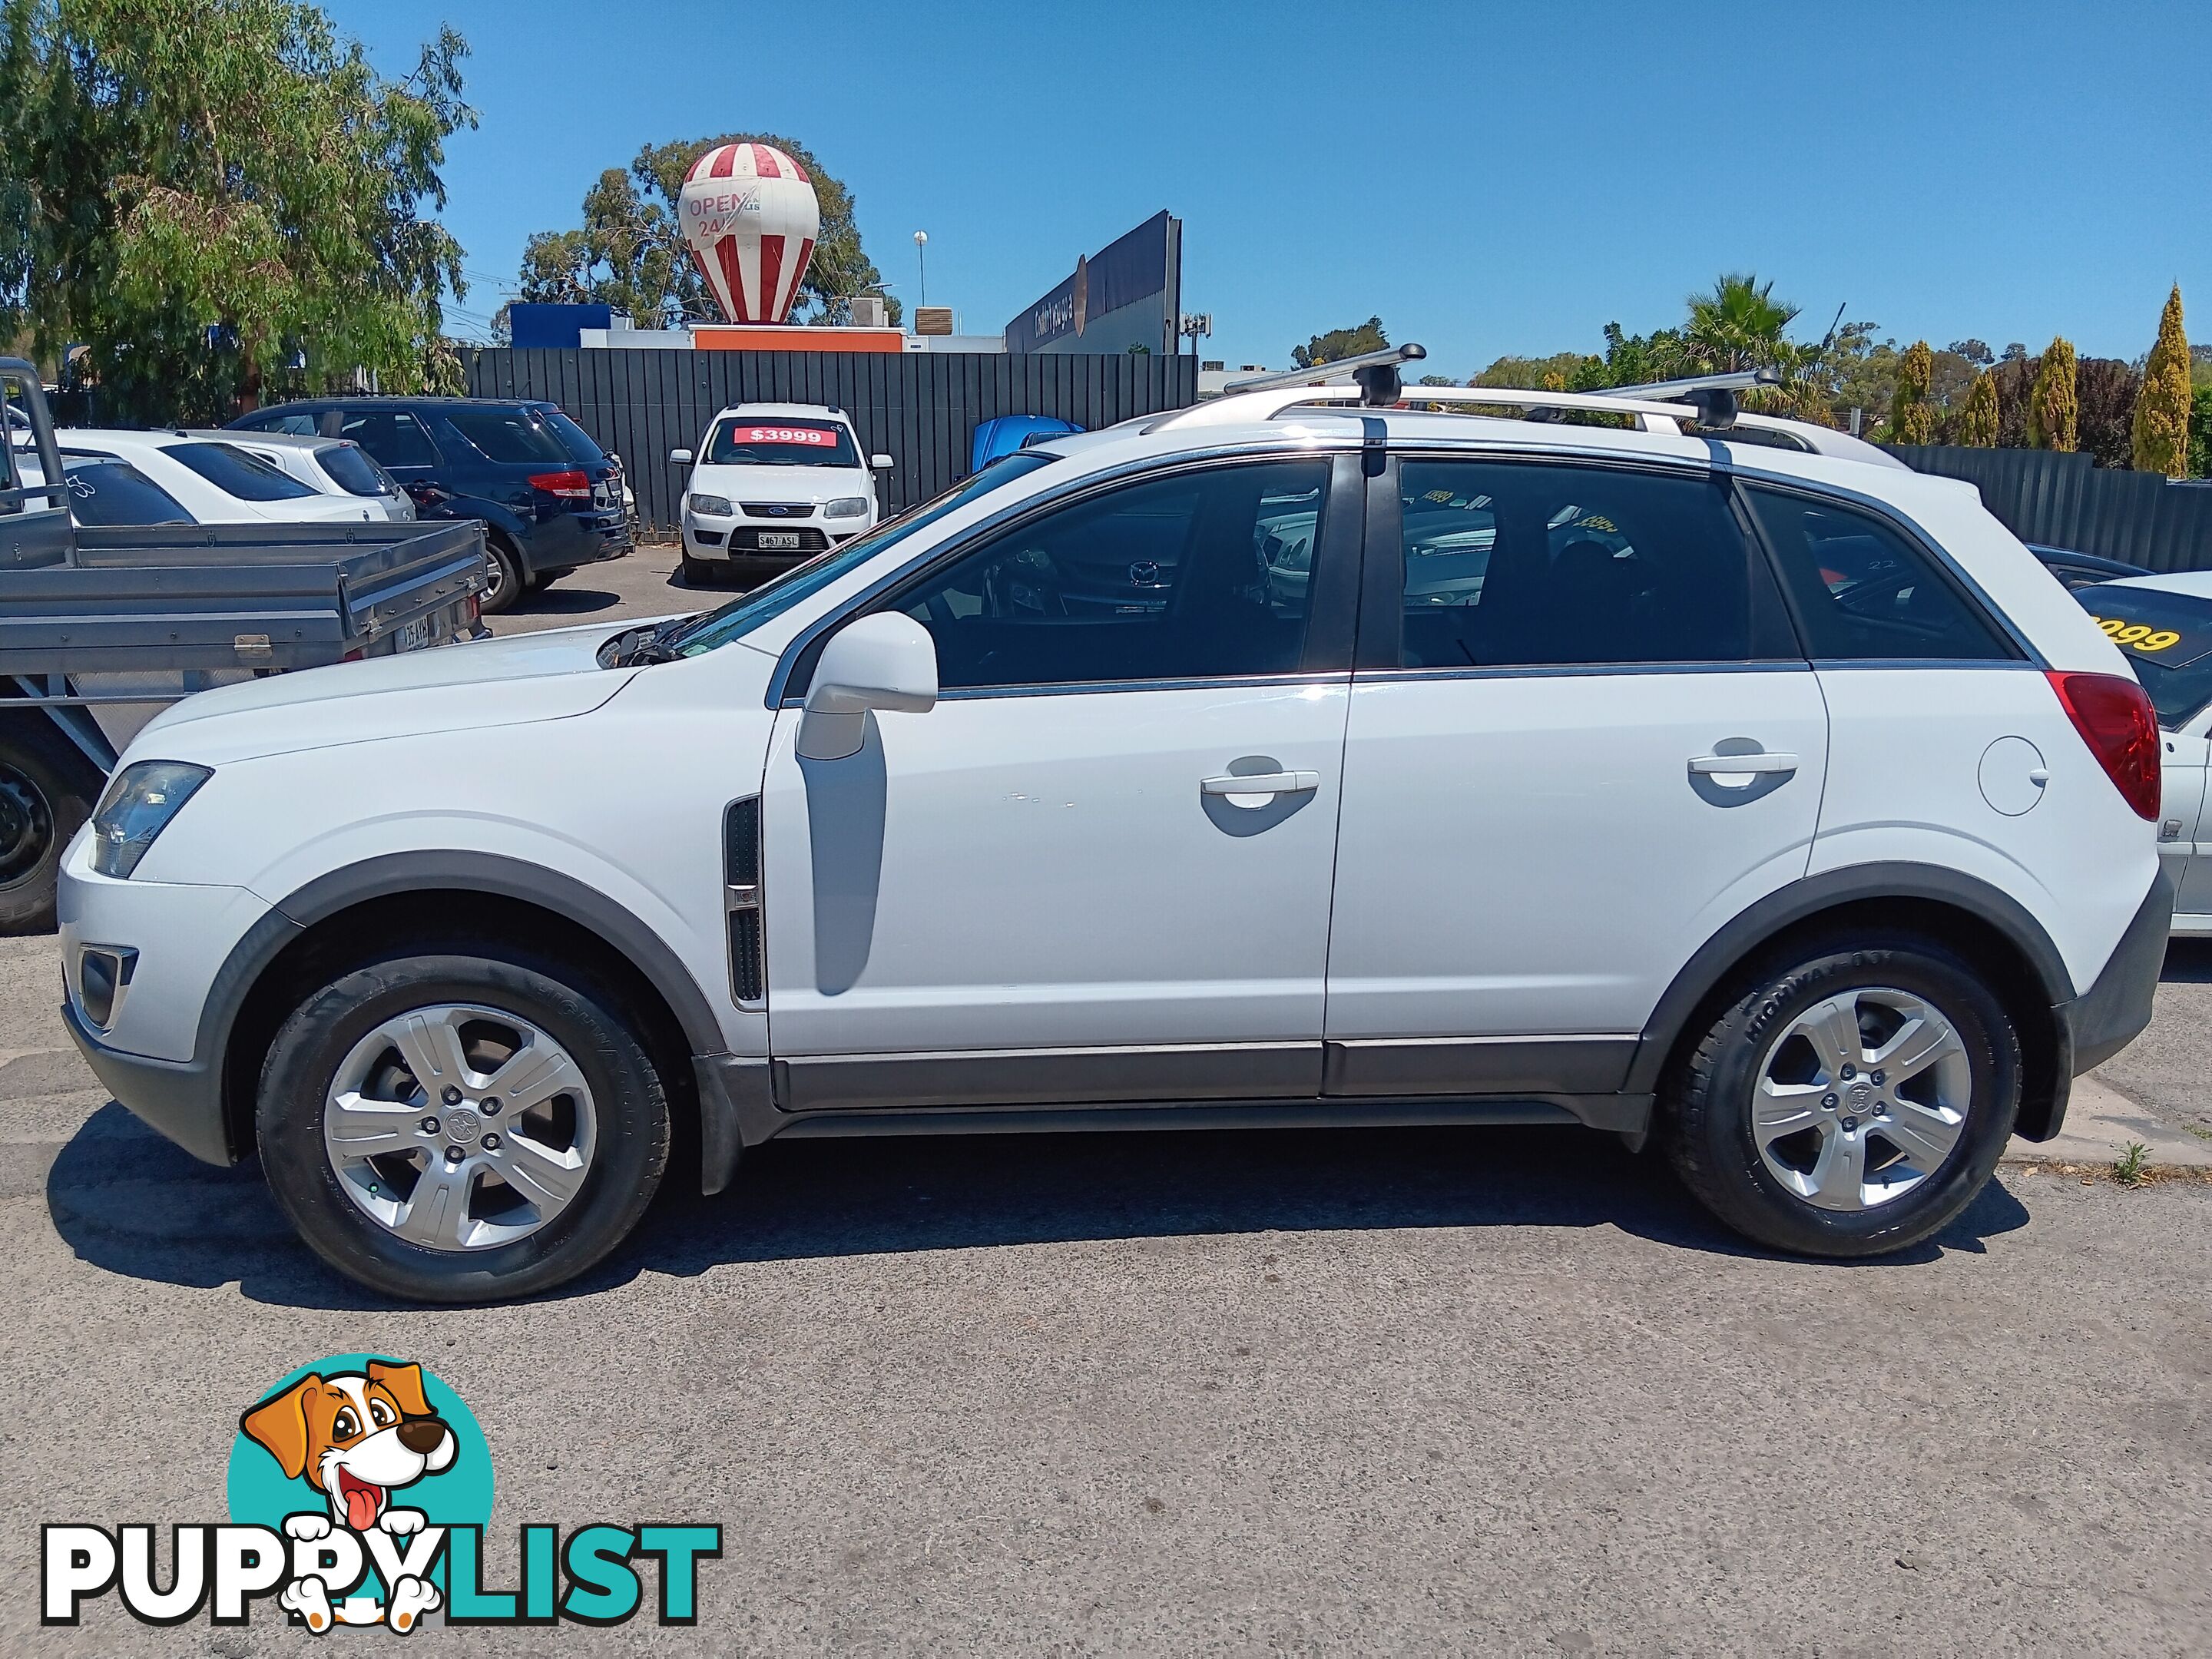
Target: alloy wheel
[459, 1126]
[1862, 1098]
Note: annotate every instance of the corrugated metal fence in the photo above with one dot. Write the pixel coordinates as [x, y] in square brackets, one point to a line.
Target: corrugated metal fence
[919, 408]
[2060, 500]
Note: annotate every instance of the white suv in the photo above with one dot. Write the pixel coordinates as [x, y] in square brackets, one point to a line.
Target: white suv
[771, 486]
[1264, 762]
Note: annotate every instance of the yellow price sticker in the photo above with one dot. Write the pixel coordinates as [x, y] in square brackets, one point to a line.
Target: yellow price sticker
[2137, 635]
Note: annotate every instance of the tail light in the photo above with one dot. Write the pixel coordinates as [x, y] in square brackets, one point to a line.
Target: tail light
[573, 484]
[2115, 720]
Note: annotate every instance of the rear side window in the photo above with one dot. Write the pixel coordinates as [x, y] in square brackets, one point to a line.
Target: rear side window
[514, 436]
[234, 472]
[351, 470]
[1523, 565]
[1866, 591]
[395, 440]
[116, 492]
[1193, 576]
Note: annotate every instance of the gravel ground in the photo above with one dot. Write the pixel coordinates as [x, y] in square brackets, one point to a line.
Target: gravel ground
[1479, 1391]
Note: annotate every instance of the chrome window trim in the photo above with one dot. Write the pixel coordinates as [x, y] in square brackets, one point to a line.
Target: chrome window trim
[1097, 688]
[779, 694]
[1582, 671]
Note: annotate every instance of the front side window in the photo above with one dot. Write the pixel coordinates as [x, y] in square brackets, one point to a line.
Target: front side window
[1864, 591]
[1198, 575]
[1520, 564]
[513, 436]
[395, 440]
[299, 425]
[714, 629]
[743, 440]
[231, 469]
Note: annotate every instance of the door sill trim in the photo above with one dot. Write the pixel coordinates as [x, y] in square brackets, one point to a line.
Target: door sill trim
[1620, 1113]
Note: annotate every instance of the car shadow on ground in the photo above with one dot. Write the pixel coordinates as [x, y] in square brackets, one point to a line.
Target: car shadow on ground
[127, 1201]
[2188, 962]
[565, 602]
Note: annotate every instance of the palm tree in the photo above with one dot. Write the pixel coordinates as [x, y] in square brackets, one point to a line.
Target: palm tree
[1737, 325]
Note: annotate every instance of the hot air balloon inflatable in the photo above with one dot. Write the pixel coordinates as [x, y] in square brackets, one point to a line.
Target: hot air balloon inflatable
[750, 218]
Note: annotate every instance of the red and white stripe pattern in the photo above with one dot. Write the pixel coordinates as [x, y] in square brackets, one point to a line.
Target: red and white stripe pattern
[750, 218]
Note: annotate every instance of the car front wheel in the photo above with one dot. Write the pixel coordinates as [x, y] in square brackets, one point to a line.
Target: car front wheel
[461, 1128]
[1852, 1097]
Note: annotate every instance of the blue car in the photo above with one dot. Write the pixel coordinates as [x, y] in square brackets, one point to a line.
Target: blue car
[551, 499]
[1002, 435]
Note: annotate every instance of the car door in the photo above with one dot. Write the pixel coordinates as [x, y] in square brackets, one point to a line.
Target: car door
[1057, 885]
[1582, 738]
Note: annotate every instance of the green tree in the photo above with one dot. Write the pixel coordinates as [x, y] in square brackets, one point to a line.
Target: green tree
[1550, 374]
[2053, 406]
[203, 192]
[629, 253]
[2162, 409]
[1341, 342]
[1977, 417]
[1911, 416]
[1738, 324]
[2200, 433]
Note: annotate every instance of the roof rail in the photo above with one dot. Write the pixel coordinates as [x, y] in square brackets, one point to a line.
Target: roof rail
[1375, 374]
[1235, 407]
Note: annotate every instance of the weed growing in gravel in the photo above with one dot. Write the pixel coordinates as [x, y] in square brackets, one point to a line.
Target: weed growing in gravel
[2128, 1167]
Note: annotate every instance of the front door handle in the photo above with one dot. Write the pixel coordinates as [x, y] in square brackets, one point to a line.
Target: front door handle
[1743, 766]
[1262, 783]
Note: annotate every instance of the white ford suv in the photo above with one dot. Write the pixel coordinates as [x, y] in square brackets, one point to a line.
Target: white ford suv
[1269, 762]
[772, 485]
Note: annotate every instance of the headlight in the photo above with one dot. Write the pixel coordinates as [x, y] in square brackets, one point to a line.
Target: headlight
[137, 807]
[714, 507]
[846, 507]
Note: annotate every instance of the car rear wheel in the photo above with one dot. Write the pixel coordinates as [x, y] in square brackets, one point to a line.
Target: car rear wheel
[1852, 1098]
[461, 1128]
[504, 582]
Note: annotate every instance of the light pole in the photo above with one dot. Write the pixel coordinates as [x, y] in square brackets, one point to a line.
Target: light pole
[922, 262]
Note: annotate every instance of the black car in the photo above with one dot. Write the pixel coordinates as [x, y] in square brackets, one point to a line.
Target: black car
[2079, 570]
[549, 497]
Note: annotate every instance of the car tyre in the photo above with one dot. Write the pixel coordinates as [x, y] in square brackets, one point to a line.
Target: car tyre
[584, 1020]
[47, 789]
[1746, 1118]
[504, 581]
[697, 573]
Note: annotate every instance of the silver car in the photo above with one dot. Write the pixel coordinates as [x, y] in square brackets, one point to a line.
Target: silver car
[335, 466]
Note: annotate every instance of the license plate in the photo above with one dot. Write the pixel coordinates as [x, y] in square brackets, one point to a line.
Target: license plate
[413, 636]
[775, 540]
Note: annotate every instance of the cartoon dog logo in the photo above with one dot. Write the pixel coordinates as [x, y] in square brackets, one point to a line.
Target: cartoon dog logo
[356, 1437]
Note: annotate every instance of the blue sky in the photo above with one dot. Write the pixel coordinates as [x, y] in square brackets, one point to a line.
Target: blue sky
[1488, 178]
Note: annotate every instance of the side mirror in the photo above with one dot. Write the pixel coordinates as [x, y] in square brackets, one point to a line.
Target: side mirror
[679, 458]
[881, 463]
[884, 661]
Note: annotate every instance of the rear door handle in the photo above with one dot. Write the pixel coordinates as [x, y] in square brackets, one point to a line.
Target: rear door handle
[1734, 765]
[1262, 783]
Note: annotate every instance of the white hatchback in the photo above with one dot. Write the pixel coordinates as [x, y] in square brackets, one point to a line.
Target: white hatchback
[217, 482]
[771, 486]
[332, 466]
[1265, 763]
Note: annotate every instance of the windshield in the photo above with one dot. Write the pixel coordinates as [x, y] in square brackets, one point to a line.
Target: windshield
[772, 599]
[2167, 640]
[351, 470]
[738, 440]
[234, 472]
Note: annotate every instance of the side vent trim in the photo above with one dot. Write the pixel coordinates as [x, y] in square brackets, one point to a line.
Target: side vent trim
[741, 877]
